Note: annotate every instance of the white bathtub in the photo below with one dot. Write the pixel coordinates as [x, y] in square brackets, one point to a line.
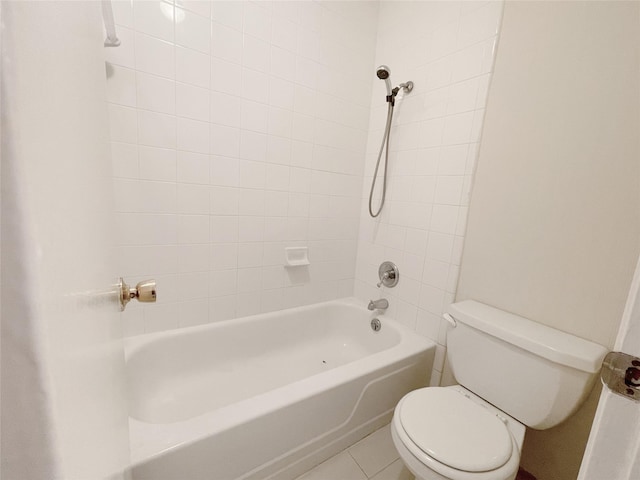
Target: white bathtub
[268, 396]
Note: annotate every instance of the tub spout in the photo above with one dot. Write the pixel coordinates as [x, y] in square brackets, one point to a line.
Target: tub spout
[381, 304]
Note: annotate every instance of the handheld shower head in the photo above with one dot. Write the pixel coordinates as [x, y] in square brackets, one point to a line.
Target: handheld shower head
[384, 73]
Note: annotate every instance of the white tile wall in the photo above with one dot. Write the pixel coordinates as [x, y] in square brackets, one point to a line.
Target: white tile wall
[446, 48]
[238, 128]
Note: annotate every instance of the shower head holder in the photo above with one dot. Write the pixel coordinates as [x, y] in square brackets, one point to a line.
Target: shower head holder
[406, 88]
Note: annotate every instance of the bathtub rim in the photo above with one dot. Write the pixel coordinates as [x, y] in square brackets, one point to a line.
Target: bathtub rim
[135, 343]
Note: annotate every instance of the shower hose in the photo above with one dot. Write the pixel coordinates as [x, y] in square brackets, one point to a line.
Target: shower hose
[385, 141]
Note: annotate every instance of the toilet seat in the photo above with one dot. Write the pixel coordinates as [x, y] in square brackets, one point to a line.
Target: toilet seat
[449, 428]
[416, 445]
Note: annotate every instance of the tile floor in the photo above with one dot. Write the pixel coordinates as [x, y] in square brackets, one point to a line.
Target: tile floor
[372, 458]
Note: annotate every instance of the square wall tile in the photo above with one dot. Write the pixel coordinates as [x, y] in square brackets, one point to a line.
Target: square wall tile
[222, 308]
[193, 30]
[192, 102]
[193, 312]
[224, 171]
[155, 56]
[154, 19]
[200, 7]
[257, 21]
[228, 12]
[226, 43]
[156, 129]
[192, 167]
[193, 229]
[193, 67]
[224, 229]
[256, 54]
[226, 77]
[156, 93]
[255, 85]
[224, 141]
[224, 201]
[225, 109]
[193, 135]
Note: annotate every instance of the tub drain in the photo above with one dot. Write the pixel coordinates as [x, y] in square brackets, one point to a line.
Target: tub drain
[376, 325]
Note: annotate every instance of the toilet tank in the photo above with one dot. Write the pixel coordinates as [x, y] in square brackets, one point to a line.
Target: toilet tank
[536, 374]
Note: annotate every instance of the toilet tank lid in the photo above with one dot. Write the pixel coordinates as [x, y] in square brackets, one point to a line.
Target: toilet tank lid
[544, 341]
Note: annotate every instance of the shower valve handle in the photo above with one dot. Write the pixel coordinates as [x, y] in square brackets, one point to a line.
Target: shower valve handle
[385, 277]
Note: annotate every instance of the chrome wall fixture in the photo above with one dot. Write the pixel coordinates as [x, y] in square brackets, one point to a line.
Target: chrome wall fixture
[380, 304]
[384, 73]
[389, 274]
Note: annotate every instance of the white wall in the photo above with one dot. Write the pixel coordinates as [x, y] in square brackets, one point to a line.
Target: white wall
[238, 129]
[554, 225]
[554, 219]
[446, 49]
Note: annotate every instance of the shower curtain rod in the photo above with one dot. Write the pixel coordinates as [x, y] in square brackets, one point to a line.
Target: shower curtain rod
[109, 25]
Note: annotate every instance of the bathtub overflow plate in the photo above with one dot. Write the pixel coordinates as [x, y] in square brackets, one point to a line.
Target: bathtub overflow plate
[376, 325]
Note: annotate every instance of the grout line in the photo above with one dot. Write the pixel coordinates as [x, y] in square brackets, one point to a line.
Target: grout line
[378, 471]
[348, 451]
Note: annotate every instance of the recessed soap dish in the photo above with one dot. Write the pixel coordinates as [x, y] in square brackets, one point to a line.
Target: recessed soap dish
[296, 256]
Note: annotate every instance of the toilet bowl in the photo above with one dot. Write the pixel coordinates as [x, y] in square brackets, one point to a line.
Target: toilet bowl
[450, 433]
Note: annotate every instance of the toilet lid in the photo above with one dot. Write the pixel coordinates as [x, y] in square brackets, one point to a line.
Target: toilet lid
[454, 430]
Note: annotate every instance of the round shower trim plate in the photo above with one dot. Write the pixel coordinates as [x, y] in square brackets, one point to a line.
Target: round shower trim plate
[389, 274]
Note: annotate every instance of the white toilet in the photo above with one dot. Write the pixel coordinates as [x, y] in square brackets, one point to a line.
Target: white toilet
[513, 373]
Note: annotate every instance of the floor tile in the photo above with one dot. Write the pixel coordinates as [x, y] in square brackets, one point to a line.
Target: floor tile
[395, 471]
[340, 467]
[375, 452]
